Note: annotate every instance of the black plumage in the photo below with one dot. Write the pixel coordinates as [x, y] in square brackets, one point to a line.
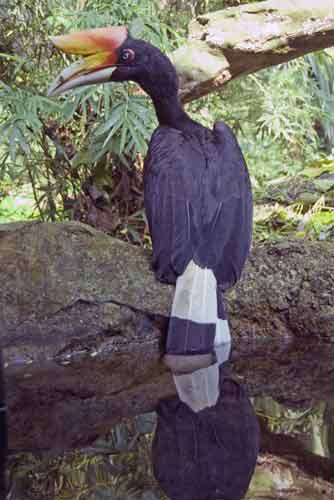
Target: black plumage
[198, 197]
[198, 202]
[209, 455]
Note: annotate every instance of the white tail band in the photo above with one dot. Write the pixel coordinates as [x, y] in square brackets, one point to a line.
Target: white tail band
[195, 296]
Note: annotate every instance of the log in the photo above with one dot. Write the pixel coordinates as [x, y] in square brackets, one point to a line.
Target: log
[83, 323]
[236, 41]
[301, 190]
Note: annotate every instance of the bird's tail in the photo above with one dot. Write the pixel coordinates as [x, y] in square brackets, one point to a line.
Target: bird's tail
[3, 431]
[197, 320]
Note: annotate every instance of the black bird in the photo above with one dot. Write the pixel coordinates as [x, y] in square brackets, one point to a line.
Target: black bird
[197, 191]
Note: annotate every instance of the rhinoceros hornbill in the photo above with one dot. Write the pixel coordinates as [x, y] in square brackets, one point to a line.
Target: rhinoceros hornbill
[197, 191]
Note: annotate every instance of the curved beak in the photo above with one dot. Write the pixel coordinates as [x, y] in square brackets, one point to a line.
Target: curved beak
[98, 51]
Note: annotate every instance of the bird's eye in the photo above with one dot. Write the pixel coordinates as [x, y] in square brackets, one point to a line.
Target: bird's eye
[127, 55]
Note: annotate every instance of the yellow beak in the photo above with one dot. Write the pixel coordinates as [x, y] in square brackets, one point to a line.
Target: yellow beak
[98, 48]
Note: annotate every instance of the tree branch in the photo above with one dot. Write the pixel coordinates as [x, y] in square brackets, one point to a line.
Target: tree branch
[241, 40]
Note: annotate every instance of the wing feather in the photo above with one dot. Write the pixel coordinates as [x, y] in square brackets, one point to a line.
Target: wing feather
[198, 203]
[166, 205]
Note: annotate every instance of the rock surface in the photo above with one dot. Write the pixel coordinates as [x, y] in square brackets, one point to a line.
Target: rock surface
[83, 323]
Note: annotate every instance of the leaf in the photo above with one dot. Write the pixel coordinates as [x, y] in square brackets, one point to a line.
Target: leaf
[68, 110]
[137, 122]
[124, 133]
[106, 126]
[324, 185]
[113, 132]
[139, 141]
[313, 172]
[137, 27]
[13, 144]
[22, 142]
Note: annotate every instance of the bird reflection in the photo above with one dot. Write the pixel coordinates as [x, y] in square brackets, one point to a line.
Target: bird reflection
[208, 453]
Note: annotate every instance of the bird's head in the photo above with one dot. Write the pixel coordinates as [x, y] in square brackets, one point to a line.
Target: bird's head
[112, 55]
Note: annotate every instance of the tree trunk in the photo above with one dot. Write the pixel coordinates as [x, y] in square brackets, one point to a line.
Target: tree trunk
[240, 40]
[83, 322]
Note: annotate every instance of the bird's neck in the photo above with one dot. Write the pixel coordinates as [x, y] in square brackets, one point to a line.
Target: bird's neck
[171, 114]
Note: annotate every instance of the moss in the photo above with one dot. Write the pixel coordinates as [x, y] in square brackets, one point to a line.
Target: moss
[260, 28]
[195, 61]
[240, 24]
[298, 9]
[282, 50]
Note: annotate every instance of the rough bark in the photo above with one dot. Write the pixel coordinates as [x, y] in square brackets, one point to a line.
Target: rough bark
[83, 322]
[240, 40]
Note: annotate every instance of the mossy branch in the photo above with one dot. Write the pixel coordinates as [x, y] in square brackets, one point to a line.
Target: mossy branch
[240, 40]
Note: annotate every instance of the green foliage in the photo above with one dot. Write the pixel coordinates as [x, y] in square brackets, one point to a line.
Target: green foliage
[288, 112]
[282, 115]
[124, 128]
[318, 168]
[323, 74]
[117, 467]
[274, 113]
[322, 224]
[275, 222]
[310, 425]
[20, 122]
[107, 123]
[17, 206]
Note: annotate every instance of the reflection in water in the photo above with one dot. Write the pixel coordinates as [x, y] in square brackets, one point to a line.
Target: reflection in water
[312, 425]
[204, 450]
[297, 453]
[295, 460]
[200, 389]
[207, 455]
